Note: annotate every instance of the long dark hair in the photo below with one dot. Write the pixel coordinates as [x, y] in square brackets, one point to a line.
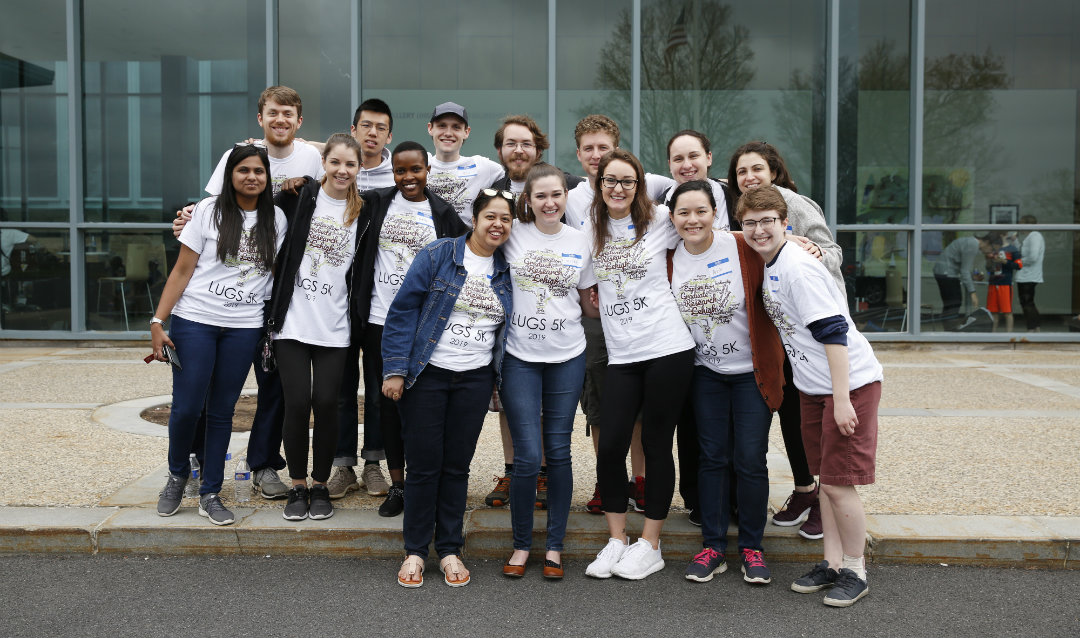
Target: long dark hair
[229, 218]
[771, 156]
[641, 207]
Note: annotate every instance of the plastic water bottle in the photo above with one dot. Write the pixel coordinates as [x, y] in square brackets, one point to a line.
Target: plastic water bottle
[242, 480]
[192, 487]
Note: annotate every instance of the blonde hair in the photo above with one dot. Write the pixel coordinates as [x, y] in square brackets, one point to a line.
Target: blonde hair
[353, 202]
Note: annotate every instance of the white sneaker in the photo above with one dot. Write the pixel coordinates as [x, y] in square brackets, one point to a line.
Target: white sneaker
[639, 561]
[606, 559]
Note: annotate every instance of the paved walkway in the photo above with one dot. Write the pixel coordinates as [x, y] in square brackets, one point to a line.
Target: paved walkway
[977, 463]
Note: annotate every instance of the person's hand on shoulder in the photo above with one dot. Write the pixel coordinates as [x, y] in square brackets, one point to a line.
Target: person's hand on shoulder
[183, 216]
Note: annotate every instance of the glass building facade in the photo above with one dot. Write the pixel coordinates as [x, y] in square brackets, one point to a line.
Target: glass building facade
[914, 123]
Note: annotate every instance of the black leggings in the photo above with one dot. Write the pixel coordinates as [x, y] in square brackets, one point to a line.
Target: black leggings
[656, 387]
[1026, 291]
[389, 419]
[310, 381]
[791, 427]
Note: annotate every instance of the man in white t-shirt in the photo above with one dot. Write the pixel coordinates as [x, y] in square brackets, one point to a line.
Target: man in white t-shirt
[454, 177]
[280, 114]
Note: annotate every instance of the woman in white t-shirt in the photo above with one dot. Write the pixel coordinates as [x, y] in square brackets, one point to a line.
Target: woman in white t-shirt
[756, 165]
[309, 319]
[215, 294]
[650, 358]
[443, 345]
[738, 375]
[544, 367]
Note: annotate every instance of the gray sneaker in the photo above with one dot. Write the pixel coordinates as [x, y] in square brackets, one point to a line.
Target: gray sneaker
[372, 478]
[269, 483]
[212, 508]
[342, 482]
[169, 498]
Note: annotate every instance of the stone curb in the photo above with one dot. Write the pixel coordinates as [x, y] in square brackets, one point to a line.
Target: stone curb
[1012, 541]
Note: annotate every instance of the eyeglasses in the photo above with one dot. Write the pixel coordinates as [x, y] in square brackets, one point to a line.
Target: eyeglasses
[764, 222]
[525, 146]
[367, 126]
[257, 144]
[491, 192]
[627, 184]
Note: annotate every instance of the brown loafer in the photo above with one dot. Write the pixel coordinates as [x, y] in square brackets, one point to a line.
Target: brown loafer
[552, 570]
[513, 571]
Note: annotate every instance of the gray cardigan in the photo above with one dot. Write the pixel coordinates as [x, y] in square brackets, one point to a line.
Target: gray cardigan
[807, 219]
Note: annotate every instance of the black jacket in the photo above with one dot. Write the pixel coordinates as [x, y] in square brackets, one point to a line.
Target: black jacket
[298, 210]
[503, 183]
[376, 203]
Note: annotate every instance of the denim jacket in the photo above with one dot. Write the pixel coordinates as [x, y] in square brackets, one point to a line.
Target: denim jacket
[422, 306]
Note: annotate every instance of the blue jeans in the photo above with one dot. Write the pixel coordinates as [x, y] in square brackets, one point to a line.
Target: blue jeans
[733, 423]
[530, 390]
[348, 439]
[216, 362]
[441, 418]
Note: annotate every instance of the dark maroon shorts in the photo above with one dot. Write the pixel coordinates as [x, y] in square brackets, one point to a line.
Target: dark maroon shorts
[839, 459]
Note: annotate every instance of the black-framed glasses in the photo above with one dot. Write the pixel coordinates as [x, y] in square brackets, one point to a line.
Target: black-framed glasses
[491, 192]
[367, 125]
[627, 184]
[764, 222]
[258, 144]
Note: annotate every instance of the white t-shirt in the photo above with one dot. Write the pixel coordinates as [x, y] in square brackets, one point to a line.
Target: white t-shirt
[722, 219]
[709, 291]
[580, 197]
[319, 309]
[303, 161]
[382, 176]
[637, 310]
[459, 182]
[408, 227]
[798, 291]
[229, 294]
[1033, 251]
[547, 271]
[9, 238]
[469, 337]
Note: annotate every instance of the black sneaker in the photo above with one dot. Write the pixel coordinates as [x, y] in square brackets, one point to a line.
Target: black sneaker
[297, 507]
[820, 577]
[320, 506]
[705, 565]
[694, 517]
[847, 589]
[170, 496]
[754, 569]
[394, 503]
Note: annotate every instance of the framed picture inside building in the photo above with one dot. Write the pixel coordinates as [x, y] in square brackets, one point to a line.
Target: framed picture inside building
[1004, 213]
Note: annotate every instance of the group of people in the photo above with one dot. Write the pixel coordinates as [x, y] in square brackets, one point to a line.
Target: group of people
[662, 304]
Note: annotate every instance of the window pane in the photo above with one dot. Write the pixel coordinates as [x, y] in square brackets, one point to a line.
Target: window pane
[35, 280]
[873, 112]
[490, 58]
[33, 113]
[947, 291]
[876, 273]
[592, 72]
[721, 69]
[1001, 110]
[125, 273]
[163, 104]
[314, 59]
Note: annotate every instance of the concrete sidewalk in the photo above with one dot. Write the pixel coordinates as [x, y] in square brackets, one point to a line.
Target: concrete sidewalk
[977, 464]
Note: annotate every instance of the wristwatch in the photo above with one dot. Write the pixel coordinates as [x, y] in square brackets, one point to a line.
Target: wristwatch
[156, 320]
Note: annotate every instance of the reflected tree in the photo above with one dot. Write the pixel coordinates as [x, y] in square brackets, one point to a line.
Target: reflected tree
[694, 64]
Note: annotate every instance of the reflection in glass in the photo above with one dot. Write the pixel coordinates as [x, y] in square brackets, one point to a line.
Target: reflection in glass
[876, 274]
[125, 273]
[35, 280]
[33, 113]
